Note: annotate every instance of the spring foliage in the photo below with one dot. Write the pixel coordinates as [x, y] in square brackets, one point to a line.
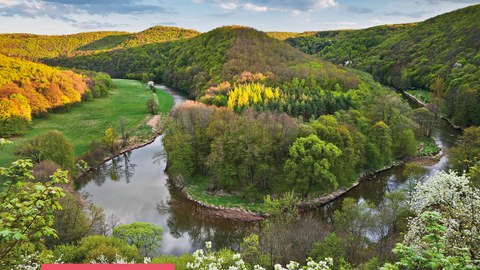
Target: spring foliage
[418, 55]
[29, 89]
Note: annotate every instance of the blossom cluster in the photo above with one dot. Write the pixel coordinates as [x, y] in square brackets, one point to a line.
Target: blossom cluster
[208, 260]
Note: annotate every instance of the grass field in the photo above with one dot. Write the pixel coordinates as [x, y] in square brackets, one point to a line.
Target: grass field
[196, 187]
[87, 121]
[423, 95]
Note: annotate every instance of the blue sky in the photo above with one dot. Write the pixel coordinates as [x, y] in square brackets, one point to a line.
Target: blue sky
[69, 16]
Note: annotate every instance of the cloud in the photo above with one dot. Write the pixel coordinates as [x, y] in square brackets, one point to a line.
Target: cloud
[413, 14]
[95, 25]
[62, 9]
[301, 5]
[253, 7]
[359, 10]
[228, 6]
[221, 15]
[274, 5]
[450, 1]
[34, 9]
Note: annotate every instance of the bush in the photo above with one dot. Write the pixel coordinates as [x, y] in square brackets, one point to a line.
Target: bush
[93, 247]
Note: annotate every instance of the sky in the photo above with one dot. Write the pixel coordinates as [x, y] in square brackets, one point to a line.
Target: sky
[69, 16]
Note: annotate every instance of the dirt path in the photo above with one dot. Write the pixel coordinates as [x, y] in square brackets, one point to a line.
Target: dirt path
[153, 122]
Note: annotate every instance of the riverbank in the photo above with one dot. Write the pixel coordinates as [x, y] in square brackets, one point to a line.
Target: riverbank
[423, 104]
[87, 121]
[235, 208]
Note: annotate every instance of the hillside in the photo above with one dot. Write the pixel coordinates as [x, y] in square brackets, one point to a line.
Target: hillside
[37, 47]
[28, 89]
[195, 64]
[286, 35]
[413, 56]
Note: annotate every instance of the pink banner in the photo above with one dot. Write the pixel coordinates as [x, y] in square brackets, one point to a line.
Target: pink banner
[108, 267]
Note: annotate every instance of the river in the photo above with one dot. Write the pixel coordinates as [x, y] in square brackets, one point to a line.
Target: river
[134, 187]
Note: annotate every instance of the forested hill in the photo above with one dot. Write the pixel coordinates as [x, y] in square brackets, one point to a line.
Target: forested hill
[37, 47]
[28, 89]
[413, 56]
[195, 64]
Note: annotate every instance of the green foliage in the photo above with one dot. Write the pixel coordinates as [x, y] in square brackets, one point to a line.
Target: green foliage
[147, 237]
[193, 65]
[26, 210]
[282, 210]
[434, 254]
[239, 152]
[331, 247]
[286, 35]
[38, 47]
[152, 104]
[422, 95]
[352, 223]
[309, 164]
[465, 157]
[88, 121]
[251, 251]
[414, 56]
[109, 138]
[180, 262]
[53, 146]
[92, 247]
[29, 89]
[428, 147]
[76, 220]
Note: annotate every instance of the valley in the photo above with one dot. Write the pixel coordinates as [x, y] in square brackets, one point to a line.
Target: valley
[218, 149]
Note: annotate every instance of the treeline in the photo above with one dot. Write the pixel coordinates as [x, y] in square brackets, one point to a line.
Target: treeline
[296, 97]
[413, 56]
[220, 55]
[285, 35]
[258, 153]
[28, 89]
[38, 47]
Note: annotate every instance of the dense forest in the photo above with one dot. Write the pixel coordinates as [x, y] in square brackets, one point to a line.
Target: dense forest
[272, 125]
[198, 63]
[29, 89]
[262, 149]
[413, 56]
[265, 80]
[37, 47]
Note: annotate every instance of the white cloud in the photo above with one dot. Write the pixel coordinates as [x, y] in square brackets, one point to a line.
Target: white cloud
[228, 6]
[252, 7]
[322, 4]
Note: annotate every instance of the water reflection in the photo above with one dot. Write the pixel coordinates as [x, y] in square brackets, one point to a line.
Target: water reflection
[134, 187]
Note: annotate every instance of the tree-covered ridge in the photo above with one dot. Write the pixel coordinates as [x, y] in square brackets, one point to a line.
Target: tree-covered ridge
[286, 35]
[158, 34]
[193, 65]
[413, 56]
[37, 47]
[28, 89]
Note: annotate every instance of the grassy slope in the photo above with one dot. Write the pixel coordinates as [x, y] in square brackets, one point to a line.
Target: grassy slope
[88, 120]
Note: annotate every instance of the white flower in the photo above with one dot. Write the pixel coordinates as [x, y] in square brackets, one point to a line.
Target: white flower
[208, 245]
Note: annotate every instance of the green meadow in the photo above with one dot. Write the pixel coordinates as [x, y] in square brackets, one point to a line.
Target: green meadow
[87, 121]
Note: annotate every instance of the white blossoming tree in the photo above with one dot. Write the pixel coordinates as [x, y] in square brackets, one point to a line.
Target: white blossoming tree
[445, 230]
[208, 260]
